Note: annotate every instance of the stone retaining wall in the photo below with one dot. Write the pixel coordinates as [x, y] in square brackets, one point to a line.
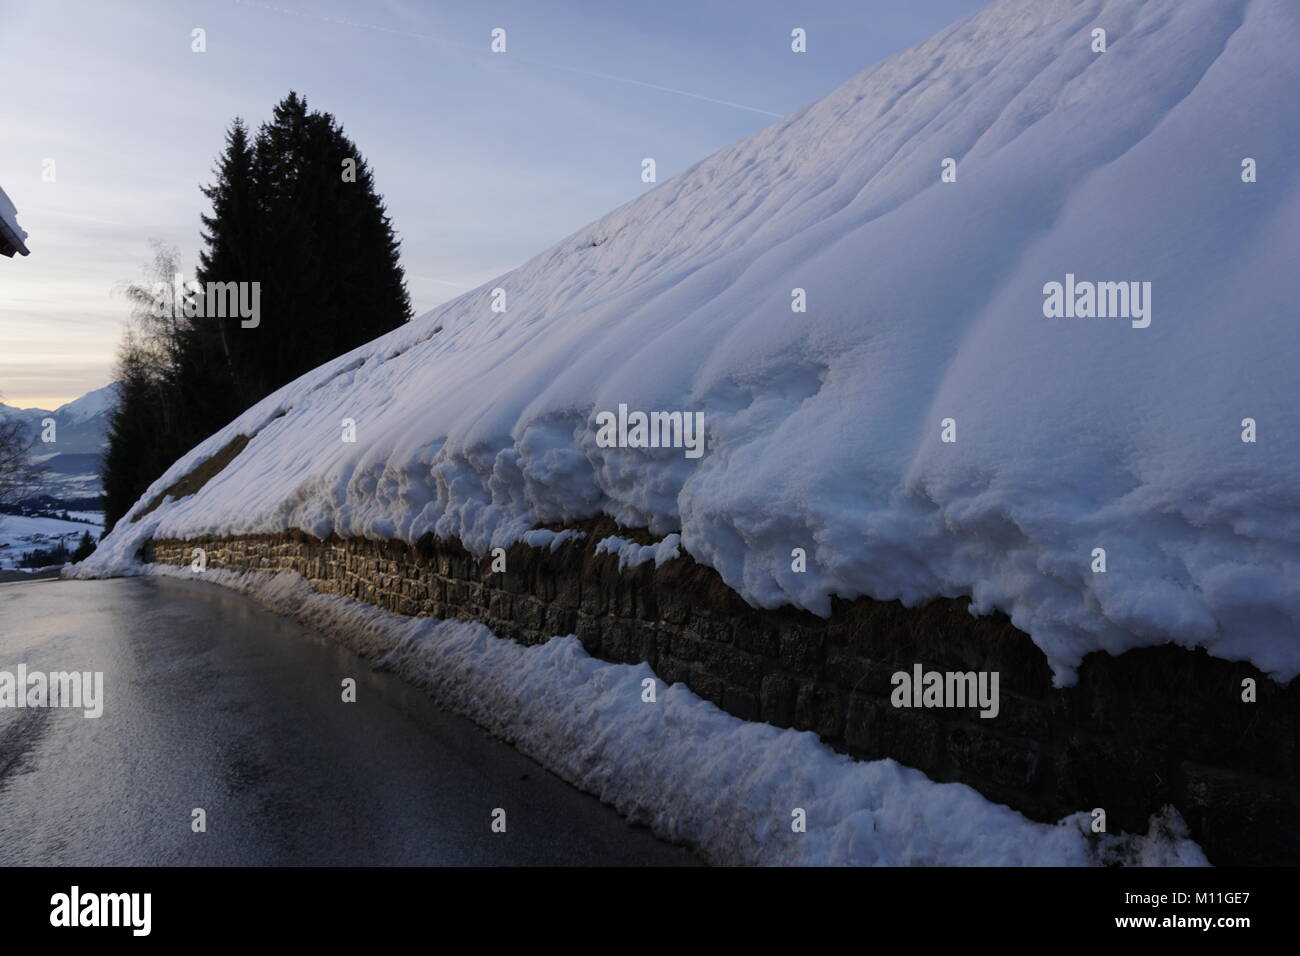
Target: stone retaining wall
[1152, 727]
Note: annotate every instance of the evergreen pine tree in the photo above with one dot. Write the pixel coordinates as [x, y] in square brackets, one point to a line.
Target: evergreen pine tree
[140, 447]
[85, 545]
[329, 264]
[322, 248]
[211, 359]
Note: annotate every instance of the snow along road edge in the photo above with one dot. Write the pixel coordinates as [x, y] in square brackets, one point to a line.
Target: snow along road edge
[692, 773]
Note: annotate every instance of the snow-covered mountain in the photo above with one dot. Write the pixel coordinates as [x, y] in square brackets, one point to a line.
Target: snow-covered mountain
[94, 406]
[71, 461]
[81, 425]
[931, 314]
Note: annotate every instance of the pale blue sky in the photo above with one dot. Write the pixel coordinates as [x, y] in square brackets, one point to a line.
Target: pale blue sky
[484, 160]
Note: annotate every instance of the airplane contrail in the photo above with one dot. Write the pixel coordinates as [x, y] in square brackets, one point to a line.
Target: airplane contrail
[513, 57]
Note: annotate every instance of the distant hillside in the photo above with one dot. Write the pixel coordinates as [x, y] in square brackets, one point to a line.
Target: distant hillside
[81, 435]
[81, 425]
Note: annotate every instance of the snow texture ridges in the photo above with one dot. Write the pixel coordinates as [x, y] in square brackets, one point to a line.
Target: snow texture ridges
[925, 301]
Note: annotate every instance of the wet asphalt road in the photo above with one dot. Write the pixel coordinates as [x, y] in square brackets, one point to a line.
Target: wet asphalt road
[212, 702]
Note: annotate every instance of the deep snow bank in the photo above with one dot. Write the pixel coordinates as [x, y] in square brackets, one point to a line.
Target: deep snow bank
[925, 301]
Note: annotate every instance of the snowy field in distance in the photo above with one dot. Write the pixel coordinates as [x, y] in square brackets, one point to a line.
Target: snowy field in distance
[20, 534]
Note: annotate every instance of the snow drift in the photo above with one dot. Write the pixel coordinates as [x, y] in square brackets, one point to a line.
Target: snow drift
[925, 302]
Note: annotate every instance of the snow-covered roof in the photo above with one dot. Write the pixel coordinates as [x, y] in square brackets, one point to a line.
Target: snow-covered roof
[925, 303]
[12, 236]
